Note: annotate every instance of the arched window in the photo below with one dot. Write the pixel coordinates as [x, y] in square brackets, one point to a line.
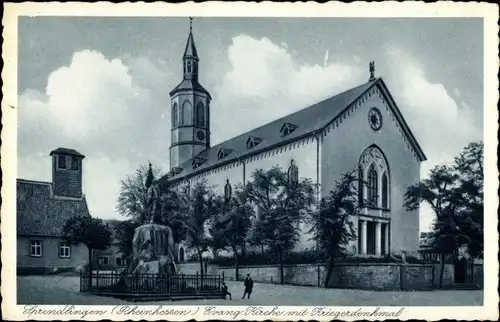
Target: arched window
[200, 115]
[385, 191]
[185, 113]
[189, 66]
[175, 116]
[372, 187]
[375, 166]
[360, 186]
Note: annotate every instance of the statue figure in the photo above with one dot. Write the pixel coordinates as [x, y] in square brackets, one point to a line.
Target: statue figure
[293, 174]
[227, 191]
[152, 197]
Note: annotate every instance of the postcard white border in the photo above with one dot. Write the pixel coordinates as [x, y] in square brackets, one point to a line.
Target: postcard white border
[489, 12]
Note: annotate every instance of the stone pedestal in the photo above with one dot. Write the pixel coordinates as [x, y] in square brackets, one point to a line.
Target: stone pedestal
[152, 251]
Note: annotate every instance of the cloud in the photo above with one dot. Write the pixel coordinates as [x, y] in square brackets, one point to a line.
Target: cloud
[442, 126]
[266, 81]
[107, 109]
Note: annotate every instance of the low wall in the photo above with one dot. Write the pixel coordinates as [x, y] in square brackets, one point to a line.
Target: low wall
[360, 276]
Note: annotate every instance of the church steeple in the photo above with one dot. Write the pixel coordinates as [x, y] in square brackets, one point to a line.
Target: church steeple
[190, 110]
[190, 56]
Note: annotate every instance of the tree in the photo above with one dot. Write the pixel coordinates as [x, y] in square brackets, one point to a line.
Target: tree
[90, 231]
[331, 225]
[469, 168]
[440, 193]
[230, 227]
[200, 204]
[282, 204]
[132, 201]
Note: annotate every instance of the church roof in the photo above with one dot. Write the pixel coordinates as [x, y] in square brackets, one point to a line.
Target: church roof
[306, 122]
[40, 214]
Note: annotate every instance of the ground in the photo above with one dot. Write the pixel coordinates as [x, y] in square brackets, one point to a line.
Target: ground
[57, 289]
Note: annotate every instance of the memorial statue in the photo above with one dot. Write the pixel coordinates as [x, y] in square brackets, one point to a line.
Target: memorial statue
[153, 245]
[153, 206]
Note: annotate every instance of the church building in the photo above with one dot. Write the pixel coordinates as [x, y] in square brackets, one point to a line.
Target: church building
[361, 128]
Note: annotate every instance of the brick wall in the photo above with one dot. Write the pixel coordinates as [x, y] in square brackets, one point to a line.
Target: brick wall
[67, 182]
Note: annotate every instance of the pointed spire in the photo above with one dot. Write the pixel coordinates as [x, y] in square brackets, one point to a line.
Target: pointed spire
[190, 46]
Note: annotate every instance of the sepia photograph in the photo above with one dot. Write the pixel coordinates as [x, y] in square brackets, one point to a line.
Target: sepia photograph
[202, 161]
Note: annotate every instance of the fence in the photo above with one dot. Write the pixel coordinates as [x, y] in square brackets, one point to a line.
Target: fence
[160, 284]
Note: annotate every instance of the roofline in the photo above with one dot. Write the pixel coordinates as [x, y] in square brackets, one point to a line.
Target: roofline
[238, 158]
[178, 90]
[76, 153]
[19, 180]
[385, 91]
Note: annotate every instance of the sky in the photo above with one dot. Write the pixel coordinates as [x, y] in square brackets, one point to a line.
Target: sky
[100, 85]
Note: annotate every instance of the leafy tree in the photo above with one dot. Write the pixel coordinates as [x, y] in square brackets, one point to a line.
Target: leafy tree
[201, 205]
[469, 167]
[331, 225]
[440, 193]
[132, 201]
[230, 227]
[90, 231]
[282, 205]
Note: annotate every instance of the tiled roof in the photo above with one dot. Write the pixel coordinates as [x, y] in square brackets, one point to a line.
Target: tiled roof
[67, 151]
[40, 214]
[307, 121]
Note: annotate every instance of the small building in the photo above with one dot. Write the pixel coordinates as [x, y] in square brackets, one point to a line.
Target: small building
[42, 210]
[110, 258]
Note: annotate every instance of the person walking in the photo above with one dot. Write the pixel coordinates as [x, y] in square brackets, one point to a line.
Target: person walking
[248, 286]
[226, 292]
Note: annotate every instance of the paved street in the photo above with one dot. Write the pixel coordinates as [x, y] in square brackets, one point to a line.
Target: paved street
[65, 290]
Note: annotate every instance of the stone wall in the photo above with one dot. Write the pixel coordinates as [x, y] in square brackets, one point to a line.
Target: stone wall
[359, 276]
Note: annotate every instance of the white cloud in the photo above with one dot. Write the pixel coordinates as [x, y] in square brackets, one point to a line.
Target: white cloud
[266, 81]
[442, 126]
[103, 108]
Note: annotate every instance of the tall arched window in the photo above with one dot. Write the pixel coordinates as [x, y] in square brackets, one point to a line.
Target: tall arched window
[374, 165]
[360, 186]
[189, 65]
[385, 191]
[372, 187]
[175, 115]
[200, 115]
[185, 113]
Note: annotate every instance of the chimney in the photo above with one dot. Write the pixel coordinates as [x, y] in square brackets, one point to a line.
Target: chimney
[67, 173]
